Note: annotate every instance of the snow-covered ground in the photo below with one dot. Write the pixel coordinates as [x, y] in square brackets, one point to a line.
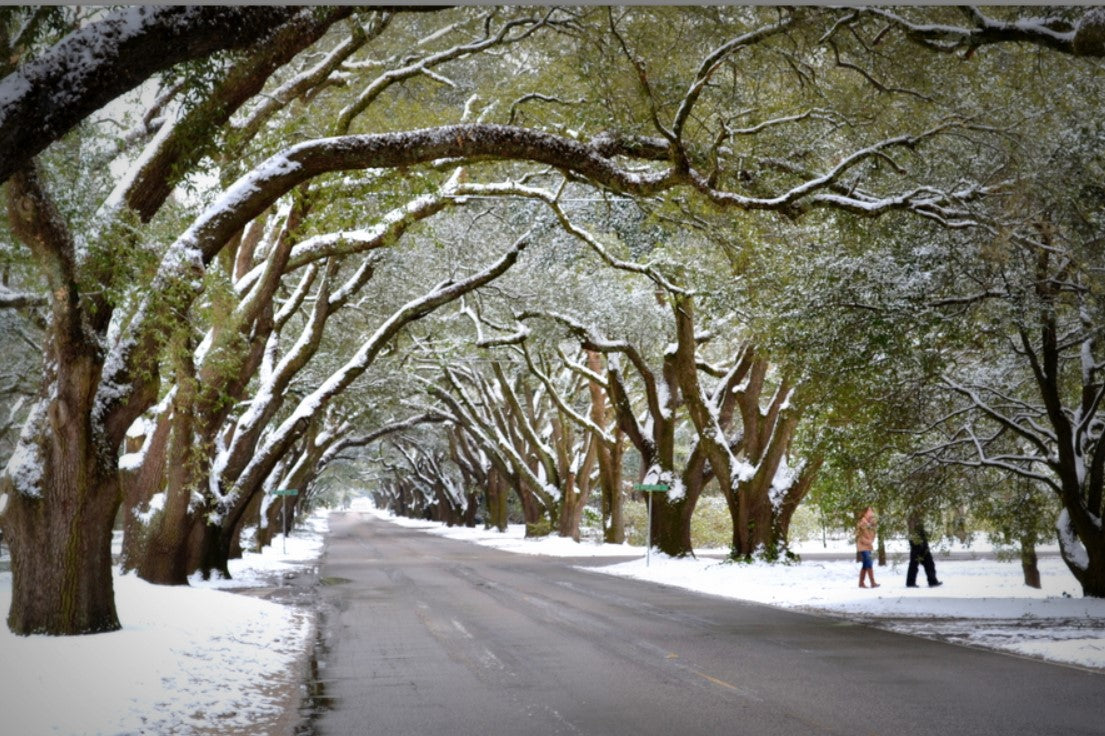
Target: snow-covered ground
[983, 602]
[203, 660]
[188, 660]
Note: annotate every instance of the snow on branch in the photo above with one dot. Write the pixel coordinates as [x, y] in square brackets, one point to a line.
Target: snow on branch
[428, 417]
[581, 370]
[19, 299]
[281, 438]
[383, 234]
[259, 189]
[563, 405]
[786, 202]
[551, 200]
[711, 63]
[966, 438]
[815, 114]
[292, 304]
[1084, 38]
[656, 391]
[45, 97]
[311, 79]
[541, 97]
[1037, 435]
[424, 66]
[585, 334]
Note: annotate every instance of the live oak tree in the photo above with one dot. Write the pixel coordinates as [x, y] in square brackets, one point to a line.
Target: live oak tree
[74, 594]
[684, 122]
[97, 560]
[1031, 391]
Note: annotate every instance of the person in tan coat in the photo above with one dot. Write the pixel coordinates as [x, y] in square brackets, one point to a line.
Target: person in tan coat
[865, 542]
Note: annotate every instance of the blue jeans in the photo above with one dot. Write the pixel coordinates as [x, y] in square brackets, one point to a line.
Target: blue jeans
[865, 555]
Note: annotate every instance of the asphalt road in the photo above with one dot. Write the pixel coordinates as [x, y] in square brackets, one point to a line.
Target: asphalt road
[424, 635]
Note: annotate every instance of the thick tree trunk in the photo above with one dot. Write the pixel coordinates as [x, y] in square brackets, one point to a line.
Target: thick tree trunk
[669, 532]
[533, 513]
[165, 553]
[215, 551]
[497, 501]
[251, 516]
[766, 510]
[613, 497]
[1093, 577]
[613, 509]
[576, 495]
[471, 509]
[269, 524]
[695, 478]
[576, 481]
[220, 540]
[570, 511]
[789, 504]
[139, 485]
[447, 511]
[402, 505]
[60, 539]
[61, 486]
[1084, 553]
[61, 563]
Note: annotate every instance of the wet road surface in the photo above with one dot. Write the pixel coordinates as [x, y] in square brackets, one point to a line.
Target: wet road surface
[423, 635]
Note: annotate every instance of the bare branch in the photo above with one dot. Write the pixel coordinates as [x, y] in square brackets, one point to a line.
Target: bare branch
[713, 61]
[422, 66]
[543, 98]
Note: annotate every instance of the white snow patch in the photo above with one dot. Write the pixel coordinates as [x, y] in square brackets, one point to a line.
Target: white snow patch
[25, 465]
[153, 508]
[187, 660]
[12, 89]
[677, 490]
[743, 472]
[1072, 546]
[25, 469]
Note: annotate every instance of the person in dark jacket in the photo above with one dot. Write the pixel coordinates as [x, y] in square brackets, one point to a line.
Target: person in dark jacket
[919, 553]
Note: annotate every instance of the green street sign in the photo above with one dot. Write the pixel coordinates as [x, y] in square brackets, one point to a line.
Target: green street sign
[285, 492]
[650, 488]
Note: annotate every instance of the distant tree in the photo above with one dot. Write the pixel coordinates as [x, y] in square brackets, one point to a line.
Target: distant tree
[1032, 409]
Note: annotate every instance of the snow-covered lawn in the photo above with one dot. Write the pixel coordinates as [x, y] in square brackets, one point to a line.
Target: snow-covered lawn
[188, 660]
[983, 602]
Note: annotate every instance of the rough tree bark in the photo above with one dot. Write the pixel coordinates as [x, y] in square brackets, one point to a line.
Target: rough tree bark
[62, 485]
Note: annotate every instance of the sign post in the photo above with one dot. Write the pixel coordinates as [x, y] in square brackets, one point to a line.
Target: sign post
[284, 493]
[650, 488]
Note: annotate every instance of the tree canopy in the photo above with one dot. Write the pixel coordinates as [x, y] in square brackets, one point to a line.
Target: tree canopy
[511, 260]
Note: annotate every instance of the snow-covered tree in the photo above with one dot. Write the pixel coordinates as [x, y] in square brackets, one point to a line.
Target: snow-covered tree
[740, 109]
